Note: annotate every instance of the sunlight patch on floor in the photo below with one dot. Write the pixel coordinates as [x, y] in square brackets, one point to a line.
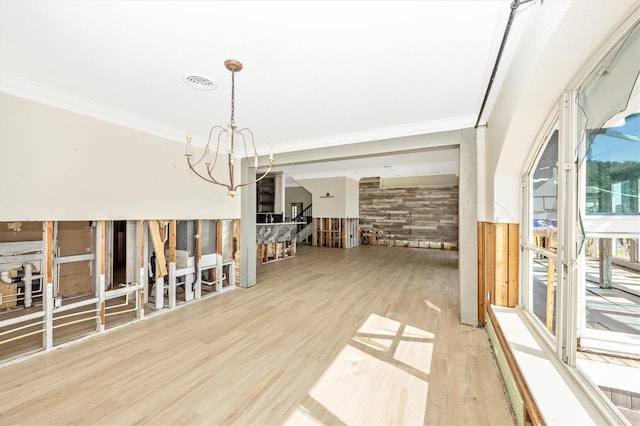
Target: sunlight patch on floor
[358, 388]
[382, 381]
[379, 325]
[302, 416]
[432, 306]
[415, 354]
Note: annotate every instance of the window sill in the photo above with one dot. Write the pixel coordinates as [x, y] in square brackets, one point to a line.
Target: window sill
[550, 391]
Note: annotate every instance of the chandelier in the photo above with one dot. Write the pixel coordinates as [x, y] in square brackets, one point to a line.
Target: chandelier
[216, 133]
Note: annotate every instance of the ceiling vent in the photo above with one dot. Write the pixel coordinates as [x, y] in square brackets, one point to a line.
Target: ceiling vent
[199, 82]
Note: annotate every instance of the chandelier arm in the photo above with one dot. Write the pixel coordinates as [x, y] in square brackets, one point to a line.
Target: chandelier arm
[205, 153]
[222, 129]
[244, 142]
[212, 180]
[211, 167]
[196, 163]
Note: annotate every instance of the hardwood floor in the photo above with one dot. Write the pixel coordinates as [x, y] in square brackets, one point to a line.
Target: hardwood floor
[368, 335]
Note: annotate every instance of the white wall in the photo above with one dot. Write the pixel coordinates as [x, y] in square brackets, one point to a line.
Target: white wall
[58, 165]
[352, 198]
[344, 199]
[279, 198]
[558, 38]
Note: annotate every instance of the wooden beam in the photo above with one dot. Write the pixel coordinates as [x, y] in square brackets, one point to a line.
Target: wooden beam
[605, 262]
[314, 235]
[482, 290]
[551, 279]
[141, 243]
[514, 264]
[102, 317]
[501, 265]
[172, 240]
[158, 247]
[49, 248]
[103, 247]
[490, 261]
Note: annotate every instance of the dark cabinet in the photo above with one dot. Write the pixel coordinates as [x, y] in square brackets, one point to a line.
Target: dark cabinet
[265, 195]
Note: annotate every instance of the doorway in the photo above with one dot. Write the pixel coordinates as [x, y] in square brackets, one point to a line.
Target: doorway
[296, 209]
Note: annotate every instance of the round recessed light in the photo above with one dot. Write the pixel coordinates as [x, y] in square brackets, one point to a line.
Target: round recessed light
[199, 82]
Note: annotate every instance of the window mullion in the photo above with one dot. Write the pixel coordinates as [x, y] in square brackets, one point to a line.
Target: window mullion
[567, 277]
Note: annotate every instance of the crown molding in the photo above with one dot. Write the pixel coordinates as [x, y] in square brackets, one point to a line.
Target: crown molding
[27, 89]
[413, 129]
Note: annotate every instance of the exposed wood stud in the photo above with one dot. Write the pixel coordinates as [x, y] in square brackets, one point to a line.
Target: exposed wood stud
[514, 264]
[490, 273]
[604, 264]
[314, 235]
[141, 243]
[158, 247]
[102, 243]
[482, 290]
[172, 240]
[501, 265]
[49, 239]
[199, 240]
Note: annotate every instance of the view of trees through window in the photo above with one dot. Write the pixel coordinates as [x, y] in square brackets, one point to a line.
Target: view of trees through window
[613, 169]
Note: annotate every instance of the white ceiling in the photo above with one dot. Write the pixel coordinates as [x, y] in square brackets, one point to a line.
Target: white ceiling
[315, 73]
[425, 163]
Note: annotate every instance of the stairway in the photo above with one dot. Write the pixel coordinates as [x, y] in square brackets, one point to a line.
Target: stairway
[304, 233]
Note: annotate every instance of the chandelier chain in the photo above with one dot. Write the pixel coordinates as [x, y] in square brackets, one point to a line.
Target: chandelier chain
[209, 166]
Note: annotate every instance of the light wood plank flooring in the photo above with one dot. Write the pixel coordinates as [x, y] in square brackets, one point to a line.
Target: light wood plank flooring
[368, 335]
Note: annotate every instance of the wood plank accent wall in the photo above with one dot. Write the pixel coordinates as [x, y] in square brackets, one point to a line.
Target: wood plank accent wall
[413, 215]
[498, 265]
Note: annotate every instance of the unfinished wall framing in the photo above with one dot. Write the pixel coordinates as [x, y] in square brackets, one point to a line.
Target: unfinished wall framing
[335, 232]
[68, 265]
[498, 266]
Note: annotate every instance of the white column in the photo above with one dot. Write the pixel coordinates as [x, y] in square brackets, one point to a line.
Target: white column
[141, 294]
[467, 228]
[248, 229]
[27, 285]
[47, 301]
[218, 273]
[188, 287]
[172, 284]
[158, 290]
[198, 278]
[101, 304]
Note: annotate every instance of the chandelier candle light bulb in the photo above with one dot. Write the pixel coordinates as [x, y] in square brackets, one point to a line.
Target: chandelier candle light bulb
[188, 153]
[214, 138]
